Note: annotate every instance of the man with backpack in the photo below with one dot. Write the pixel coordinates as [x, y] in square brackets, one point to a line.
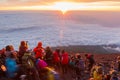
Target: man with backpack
[80, 66]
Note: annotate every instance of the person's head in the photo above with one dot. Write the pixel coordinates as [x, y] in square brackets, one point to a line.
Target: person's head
[12, 48]
[9, 48]
[57, 50]
[86, 55]
[23, 43]
[76, 55]
[39, 44]
[48, 48]
[63, 51]
[79, 56]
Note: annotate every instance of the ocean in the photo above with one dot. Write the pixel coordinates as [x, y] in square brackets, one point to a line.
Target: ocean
[53, 28]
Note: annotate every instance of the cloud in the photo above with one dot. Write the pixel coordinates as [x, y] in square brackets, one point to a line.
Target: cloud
[45, 2]
[90, 3]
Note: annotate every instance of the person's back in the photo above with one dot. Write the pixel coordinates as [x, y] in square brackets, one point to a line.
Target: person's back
[23, 48]
[80, 63]
[91, 61]
[65, 58]
[98, 73]
[41, 64]
[28, 60]
[11, 66]
[56, 57]
[48, 52]
[49, 56]
[79, 67]
[39, 51]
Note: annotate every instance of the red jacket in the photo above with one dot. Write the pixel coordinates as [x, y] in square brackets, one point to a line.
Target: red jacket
[38, 52]
[65, 58]
[56, 57]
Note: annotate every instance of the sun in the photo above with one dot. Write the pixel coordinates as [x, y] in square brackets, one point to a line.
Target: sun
[63, 6]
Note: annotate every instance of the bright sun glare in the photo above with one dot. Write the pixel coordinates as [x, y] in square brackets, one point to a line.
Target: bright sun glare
[63, 6]
[67, 6]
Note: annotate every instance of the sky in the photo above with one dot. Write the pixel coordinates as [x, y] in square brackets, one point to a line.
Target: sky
[63, 5]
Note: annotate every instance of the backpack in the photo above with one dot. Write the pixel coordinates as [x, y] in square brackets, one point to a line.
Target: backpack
[80, 64]
[27, 60]
[11, 66]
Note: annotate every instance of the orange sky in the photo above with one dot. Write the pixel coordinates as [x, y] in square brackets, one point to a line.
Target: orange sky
[63, 5]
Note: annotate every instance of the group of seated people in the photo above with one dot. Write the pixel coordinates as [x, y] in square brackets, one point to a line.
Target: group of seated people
[46, 64]
[14, 65]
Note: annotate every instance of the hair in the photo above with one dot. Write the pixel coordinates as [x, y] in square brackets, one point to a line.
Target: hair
[9, 48]
[39, 44]
[63, 51]
[23, 43]
[57, 50]
[48, 48]
[78, 56]
[86, 55]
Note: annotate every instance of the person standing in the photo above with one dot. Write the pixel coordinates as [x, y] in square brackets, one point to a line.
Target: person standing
[49, 55]
[64, 61]
[56, 58]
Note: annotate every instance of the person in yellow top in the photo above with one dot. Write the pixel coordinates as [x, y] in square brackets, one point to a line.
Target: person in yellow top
[50, 74]
[98, 74]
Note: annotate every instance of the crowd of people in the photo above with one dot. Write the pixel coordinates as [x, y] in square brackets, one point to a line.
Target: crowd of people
[46, 64]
